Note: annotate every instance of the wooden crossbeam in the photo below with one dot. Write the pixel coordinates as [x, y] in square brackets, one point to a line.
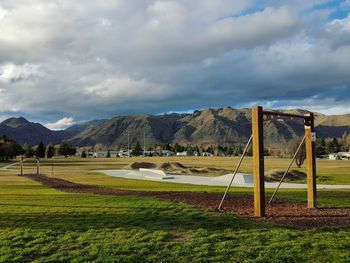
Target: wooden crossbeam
[276, 113]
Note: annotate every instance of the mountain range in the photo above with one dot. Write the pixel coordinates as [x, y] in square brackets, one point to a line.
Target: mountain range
[224, 126]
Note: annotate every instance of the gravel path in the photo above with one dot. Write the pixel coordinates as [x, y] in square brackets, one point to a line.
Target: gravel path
[9, 165]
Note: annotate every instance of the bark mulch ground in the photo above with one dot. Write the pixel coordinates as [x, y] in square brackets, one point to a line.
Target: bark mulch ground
[281, 211]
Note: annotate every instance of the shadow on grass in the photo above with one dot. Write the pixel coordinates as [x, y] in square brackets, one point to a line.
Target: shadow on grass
[146, 213]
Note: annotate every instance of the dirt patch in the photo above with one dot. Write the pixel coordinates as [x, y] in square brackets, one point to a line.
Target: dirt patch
[281, 211]
[293, 175]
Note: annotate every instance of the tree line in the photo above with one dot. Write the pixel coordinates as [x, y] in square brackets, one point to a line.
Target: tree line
[333, 145]
[324, 146]
[9, 149]
[48, 151]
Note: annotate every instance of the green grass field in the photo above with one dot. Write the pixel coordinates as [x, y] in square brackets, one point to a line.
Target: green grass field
[44, 225]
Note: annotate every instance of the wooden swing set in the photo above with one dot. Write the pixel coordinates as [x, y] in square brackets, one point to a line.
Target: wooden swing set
[258, 158]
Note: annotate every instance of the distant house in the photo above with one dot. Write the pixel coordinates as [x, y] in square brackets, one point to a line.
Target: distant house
[168, 153]
[90, 154]
[339, 156]
[102, 154]
[184, 153]
[344, 155]
[207, 154]
[332, 156]
[124, 153]
[149, 153]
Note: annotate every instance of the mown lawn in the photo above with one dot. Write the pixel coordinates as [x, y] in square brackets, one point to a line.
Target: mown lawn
[83, 171]
[45, 225]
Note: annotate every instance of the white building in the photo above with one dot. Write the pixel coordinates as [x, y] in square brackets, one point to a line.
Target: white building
[344, 155]
[102, 154]
[149, 153]
[332, 156]
[184, 153]
[168, 153]
[124, 153]
[339, 156]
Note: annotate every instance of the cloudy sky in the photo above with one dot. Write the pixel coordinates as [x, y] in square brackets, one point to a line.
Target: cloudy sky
[66, 61]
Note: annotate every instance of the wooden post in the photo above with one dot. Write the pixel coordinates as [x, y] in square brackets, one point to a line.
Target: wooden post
[310, 160]
[37, 166]
[258, 160]
[22, 165]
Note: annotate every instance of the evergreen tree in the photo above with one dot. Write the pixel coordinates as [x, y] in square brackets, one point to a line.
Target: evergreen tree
[336, 145]
[108, 154]
[40, 151]
[83, 154]
[65, 150]
[167, 147]
[177, 148]
[321, 147]
[209, 149]
[197, 150]
[50, 151]
[137, 149]
[190, 150]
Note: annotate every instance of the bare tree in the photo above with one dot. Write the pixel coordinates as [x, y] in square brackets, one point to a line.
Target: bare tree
[301, 156]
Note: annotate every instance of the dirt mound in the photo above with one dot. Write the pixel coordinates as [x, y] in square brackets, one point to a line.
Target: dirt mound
[179, 168]
[178, 165]
[138, 165]
[168, 166]
[173, 167]
[280, 211]
[176, 168]
[293, 175]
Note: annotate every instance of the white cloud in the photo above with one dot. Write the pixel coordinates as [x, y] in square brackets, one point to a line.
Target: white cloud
[339, 25]
[11, 73]
[124, 88]
[329, 106]
[98, 59]
[253, 29]
[61, 124]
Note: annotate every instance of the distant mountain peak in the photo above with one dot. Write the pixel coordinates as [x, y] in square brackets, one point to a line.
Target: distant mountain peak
[15, 122]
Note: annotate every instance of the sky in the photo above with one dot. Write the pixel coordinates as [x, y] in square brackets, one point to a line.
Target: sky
[64, 62]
